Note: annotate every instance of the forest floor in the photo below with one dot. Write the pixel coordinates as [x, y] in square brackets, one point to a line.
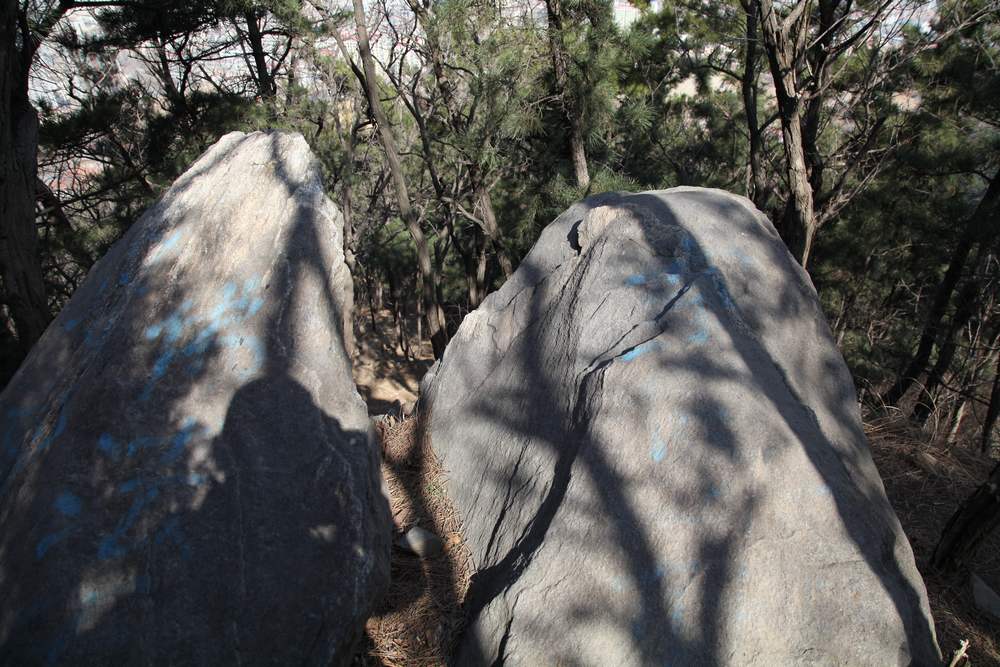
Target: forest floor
[386, 376]
[926, 482]
[420, 618]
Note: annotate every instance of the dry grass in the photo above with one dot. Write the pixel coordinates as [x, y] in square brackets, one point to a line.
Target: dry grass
[926, 483]
[421, 615]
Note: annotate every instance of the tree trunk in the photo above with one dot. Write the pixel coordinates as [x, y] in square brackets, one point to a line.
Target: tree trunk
[578, 151]
[577, 136]
[800, 221]
[265, 83]
[420, 310]
[24, 289]
[984, 215]
[346, 198]
[492, 230]
[756, 190]
[972, 523]
[965, 303]
[992, 411]
[435, 315]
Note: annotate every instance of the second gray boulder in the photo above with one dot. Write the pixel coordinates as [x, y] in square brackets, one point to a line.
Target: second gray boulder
[656, 452]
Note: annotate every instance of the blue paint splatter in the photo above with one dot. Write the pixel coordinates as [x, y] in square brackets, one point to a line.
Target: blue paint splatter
[167, 245]
[640, 350]
[49, 541]
[698, 337]
[71, 324]
[636, 280]
[179, 442]
[234, 307]
[153, 331]
[255, 305]
[68, 504]
[658, 450]
[108, 445]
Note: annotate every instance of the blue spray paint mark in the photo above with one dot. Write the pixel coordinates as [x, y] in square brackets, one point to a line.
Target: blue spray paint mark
[49, 541]
[677, 613]
[108, 445]
[698, 337]
[636, 280]
[658, 450]
[236, 304]
[129, 486]
[68, 504]
[71, 324]
[168, 245]
[639, 350]
[180, 441]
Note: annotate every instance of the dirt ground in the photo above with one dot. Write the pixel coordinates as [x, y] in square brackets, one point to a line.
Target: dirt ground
[925, 483]
[420, 619]
[386, 376]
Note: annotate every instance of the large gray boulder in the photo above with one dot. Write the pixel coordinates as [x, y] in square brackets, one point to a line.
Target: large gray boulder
[656, 452]
[188, 473]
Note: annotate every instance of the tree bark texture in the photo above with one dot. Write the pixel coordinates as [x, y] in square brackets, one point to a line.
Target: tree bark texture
[265, 83]
[993, 410]
[20, 266]
[756, 189]
[557, 48]
[780, 46]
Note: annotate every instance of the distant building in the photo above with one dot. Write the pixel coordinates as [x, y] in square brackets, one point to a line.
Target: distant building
[625, 13]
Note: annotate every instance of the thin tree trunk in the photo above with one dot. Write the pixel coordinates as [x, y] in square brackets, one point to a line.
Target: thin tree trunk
[780, 47]
[992, 411]
[965, 303]
[371, 304]
[492, 230]
[265, 84]
[435, 315]
[957, 417]
[346, 198]
[972, 523]
[20, 266]
[756, 189]
[557, 48]
[984, 216]
[420, 309]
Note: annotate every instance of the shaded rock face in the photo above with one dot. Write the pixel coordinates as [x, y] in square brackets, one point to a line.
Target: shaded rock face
[656, 451]
[188, 471]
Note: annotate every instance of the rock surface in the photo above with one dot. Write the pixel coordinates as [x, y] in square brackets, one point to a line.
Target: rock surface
[656, 451]
[420, 542]
[188, 474]
[985, 597]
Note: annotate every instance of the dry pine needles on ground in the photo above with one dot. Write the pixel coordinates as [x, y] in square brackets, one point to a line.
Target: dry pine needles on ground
[926, 483]
[420, 618]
